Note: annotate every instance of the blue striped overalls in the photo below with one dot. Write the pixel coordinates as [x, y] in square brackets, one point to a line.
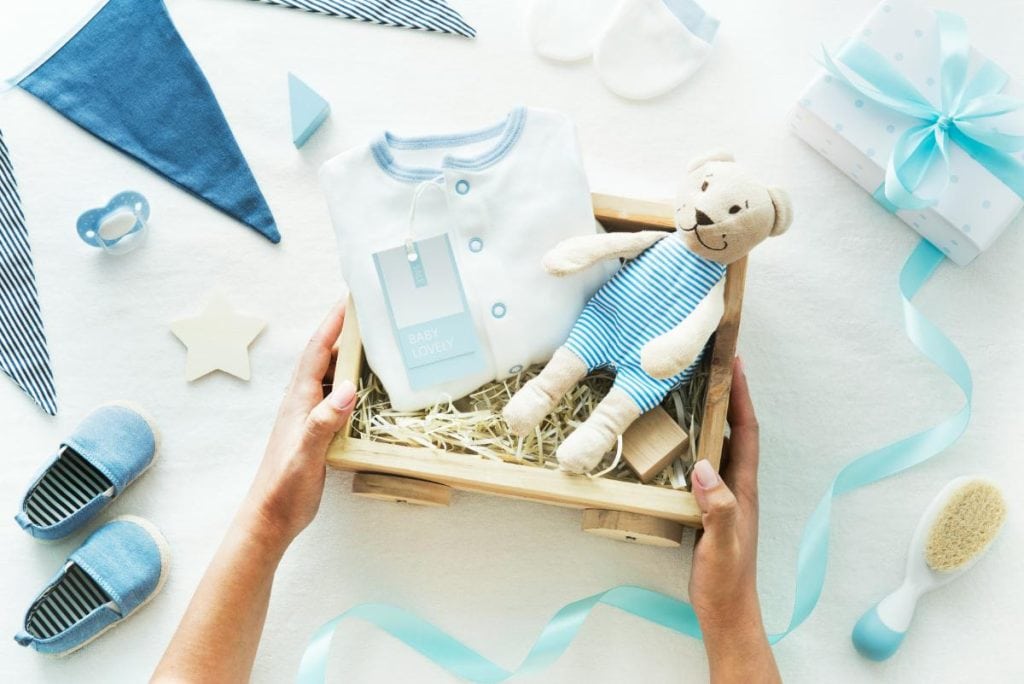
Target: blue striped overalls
[647, 297]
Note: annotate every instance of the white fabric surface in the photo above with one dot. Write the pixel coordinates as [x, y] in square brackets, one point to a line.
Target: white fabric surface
[646, 51]
[514, 206]
[565, 30]
[831, 371]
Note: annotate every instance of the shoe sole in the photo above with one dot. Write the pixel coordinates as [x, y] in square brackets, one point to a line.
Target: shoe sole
[165, 564]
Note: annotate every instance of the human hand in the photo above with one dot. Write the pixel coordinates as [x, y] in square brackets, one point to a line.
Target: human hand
[289, 484]
[723, 580]
[233, 595]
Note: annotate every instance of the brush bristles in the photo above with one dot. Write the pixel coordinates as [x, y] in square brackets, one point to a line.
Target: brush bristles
[965, 527]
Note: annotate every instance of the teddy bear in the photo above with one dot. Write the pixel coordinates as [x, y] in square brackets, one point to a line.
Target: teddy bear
[651, 321]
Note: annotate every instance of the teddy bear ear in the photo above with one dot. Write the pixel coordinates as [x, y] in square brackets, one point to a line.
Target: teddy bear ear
[713, 156]
[783, 210]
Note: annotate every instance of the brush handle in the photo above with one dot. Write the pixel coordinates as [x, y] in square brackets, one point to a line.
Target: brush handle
[880, 631]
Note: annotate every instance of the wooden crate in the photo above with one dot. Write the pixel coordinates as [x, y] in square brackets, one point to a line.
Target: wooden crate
[622, 510]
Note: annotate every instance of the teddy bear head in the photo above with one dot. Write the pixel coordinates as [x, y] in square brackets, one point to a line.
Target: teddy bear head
[722, 212]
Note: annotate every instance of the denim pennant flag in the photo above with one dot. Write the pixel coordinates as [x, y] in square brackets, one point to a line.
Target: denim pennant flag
[23, 354]
[128, 78]
[425, 15]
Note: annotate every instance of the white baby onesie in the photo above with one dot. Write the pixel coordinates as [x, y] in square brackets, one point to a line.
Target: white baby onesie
[505, 195]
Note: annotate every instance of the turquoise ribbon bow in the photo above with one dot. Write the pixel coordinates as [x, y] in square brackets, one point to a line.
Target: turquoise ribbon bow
[917, 171]
[666, 611]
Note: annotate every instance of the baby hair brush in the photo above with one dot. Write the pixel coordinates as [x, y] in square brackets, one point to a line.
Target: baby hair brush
[954, 532]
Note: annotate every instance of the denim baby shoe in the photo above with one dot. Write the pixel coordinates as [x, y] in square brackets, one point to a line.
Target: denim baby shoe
[105, 453]
[116, 571]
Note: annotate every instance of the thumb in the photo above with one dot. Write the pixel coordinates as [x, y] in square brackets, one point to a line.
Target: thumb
[328, 417]
[716, 501]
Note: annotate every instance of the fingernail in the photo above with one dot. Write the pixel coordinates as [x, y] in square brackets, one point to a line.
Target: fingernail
[342, 395]
[705, 474]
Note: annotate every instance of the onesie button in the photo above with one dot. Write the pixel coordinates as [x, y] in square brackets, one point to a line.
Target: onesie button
[462, 187]
[476, 245]
[498, 310]
[515, 369]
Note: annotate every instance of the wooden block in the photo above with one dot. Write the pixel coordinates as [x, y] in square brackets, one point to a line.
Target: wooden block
[632, 527]
[308, 109]
[652, 442]
[401, 489]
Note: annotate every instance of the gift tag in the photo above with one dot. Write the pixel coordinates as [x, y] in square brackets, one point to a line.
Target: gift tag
[429, 315]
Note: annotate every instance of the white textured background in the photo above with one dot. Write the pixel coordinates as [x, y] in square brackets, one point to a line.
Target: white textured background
[831, 371]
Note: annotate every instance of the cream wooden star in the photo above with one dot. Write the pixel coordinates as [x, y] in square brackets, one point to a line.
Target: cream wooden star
[217, 339]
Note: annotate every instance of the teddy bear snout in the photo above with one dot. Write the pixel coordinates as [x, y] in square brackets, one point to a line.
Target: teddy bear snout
[702, 218]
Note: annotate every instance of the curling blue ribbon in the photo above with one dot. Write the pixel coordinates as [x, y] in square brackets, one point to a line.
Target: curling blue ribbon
[671, 613]
[466, 663]
[917, 171]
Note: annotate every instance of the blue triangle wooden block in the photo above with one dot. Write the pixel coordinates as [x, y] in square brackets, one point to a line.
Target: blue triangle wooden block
[308, 110]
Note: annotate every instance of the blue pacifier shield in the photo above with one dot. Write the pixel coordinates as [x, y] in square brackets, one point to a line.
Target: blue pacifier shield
[119, 227]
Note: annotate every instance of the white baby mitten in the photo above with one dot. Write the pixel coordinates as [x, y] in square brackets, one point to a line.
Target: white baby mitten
[650, 46]
[566, 30]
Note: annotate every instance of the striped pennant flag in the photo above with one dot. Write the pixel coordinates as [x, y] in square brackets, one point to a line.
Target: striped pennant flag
[23, 354]
[424, 15]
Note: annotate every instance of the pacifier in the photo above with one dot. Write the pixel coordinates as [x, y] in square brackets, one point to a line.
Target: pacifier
[119, 227]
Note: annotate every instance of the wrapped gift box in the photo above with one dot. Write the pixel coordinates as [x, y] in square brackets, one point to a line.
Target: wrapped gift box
[857, 134]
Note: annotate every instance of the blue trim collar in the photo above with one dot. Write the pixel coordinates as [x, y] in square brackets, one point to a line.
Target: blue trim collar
[508, 130]
[695, 18]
